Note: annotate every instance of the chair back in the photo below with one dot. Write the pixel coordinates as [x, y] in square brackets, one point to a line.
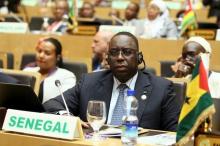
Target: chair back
[165, 68]
[216, 116]
[150, 70]
[32, 79]
[179, 88]
[26, 59]
[6, 60]
[78, 68]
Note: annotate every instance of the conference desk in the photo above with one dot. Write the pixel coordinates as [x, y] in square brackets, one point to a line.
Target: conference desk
[12, 139]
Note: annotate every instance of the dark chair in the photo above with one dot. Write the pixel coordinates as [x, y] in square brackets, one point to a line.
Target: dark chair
[36, 23]
[1, 64]
[6, 60]
[206, 25]
[180, 91]
[216, 116]
[78, 68]
[151, 70]
[165, 68]
[13, 19]
[10, 59]
[32, 79]
[179, 88]
[26, 59]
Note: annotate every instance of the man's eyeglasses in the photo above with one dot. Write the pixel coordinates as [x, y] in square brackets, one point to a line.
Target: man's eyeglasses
[125, 51]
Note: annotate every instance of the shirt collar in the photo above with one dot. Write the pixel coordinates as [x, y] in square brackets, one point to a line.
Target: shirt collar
[130, 83]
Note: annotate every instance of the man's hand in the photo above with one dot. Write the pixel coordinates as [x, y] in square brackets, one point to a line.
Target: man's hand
[84, 124]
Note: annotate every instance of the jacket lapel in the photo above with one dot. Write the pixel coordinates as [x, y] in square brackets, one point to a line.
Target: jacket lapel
[142, 87]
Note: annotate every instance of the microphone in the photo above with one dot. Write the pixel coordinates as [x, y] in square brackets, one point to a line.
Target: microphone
[16, 17]
[59, 86]
[117, 19]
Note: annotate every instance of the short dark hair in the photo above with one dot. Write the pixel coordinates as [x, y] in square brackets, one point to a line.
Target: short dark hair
[58, 49]
[127, 34]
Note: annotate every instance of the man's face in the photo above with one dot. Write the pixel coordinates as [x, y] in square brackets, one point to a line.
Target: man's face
[87, 11]
[131, 12]
[122, 57]
[152, 12]
[61, 8]
[191, 52]
[99, 46]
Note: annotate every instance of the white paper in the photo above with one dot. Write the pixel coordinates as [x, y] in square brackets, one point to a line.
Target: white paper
[160, 139]
[214, 84]
[111, 132]
[217, 38]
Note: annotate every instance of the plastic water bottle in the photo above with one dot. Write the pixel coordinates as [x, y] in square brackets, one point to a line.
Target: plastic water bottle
[130, 121]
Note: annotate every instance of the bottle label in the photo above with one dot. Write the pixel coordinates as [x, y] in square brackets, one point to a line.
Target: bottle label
[130, 129]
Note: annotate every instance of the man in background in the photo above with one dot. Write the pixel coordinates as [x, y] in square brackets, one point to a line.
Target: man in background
[183, 68]
[99, 48]
[131, 17]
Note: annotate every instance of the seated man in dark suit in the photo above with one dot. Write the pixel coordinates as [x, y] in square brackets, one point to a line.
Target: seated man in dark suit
[7, 79]
[159, 110]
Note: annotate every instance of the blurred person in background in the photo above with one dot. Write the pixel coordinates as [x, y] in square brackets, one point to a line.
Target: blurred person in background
[185, 64]
[87, 14]
[131, 17]
[99, 49]
[61, 19]
[158, 24]
[87, 10]
[48, 63]
[7, 6]
[214, 9]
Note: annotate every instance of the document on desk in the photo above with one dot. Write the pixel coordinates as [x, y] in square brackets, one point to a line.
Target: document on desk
[165, 139]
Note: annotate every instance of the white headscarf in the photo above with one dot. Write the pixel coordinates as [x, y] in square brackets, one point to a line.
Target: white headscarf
[162, 6]
[203, 42]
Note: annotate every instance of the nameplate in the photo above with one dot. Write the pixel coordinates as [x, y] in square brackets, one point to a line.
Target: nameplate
[42, 124]
[13, 27]
[207, 140]
[115, 29]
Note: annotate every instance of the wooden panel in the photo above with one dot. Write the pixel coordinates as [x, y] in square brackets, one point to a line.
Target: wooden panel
[75, 48]
[78, 48]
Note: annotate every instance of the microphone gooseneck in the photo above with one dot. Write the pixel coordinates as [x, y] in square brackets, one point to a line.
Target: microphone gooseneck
[59, 86]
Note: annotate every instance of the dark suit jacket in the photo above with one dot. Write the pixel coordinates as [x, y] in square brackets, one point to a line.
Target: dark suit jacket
[159, 111]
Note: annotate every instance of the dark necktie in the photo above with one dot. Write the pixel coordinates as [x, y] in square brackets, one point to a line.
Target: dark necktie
[118, 110]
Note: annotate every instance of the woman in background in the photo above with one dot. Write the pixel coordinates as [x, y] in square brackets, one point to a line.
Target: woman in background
[158, 23]
[48, 63]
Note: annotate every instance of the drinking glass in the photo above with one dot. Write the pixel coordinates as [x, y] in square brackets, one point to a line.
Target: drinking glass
[96, 116]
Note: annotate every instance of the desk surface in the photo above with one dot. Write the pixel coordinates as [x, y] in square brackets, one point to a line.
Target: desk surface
[11, 139]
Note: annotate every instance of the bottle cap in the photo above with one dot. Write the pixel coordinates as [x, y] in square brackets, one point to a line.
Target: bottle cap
[130, 92]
